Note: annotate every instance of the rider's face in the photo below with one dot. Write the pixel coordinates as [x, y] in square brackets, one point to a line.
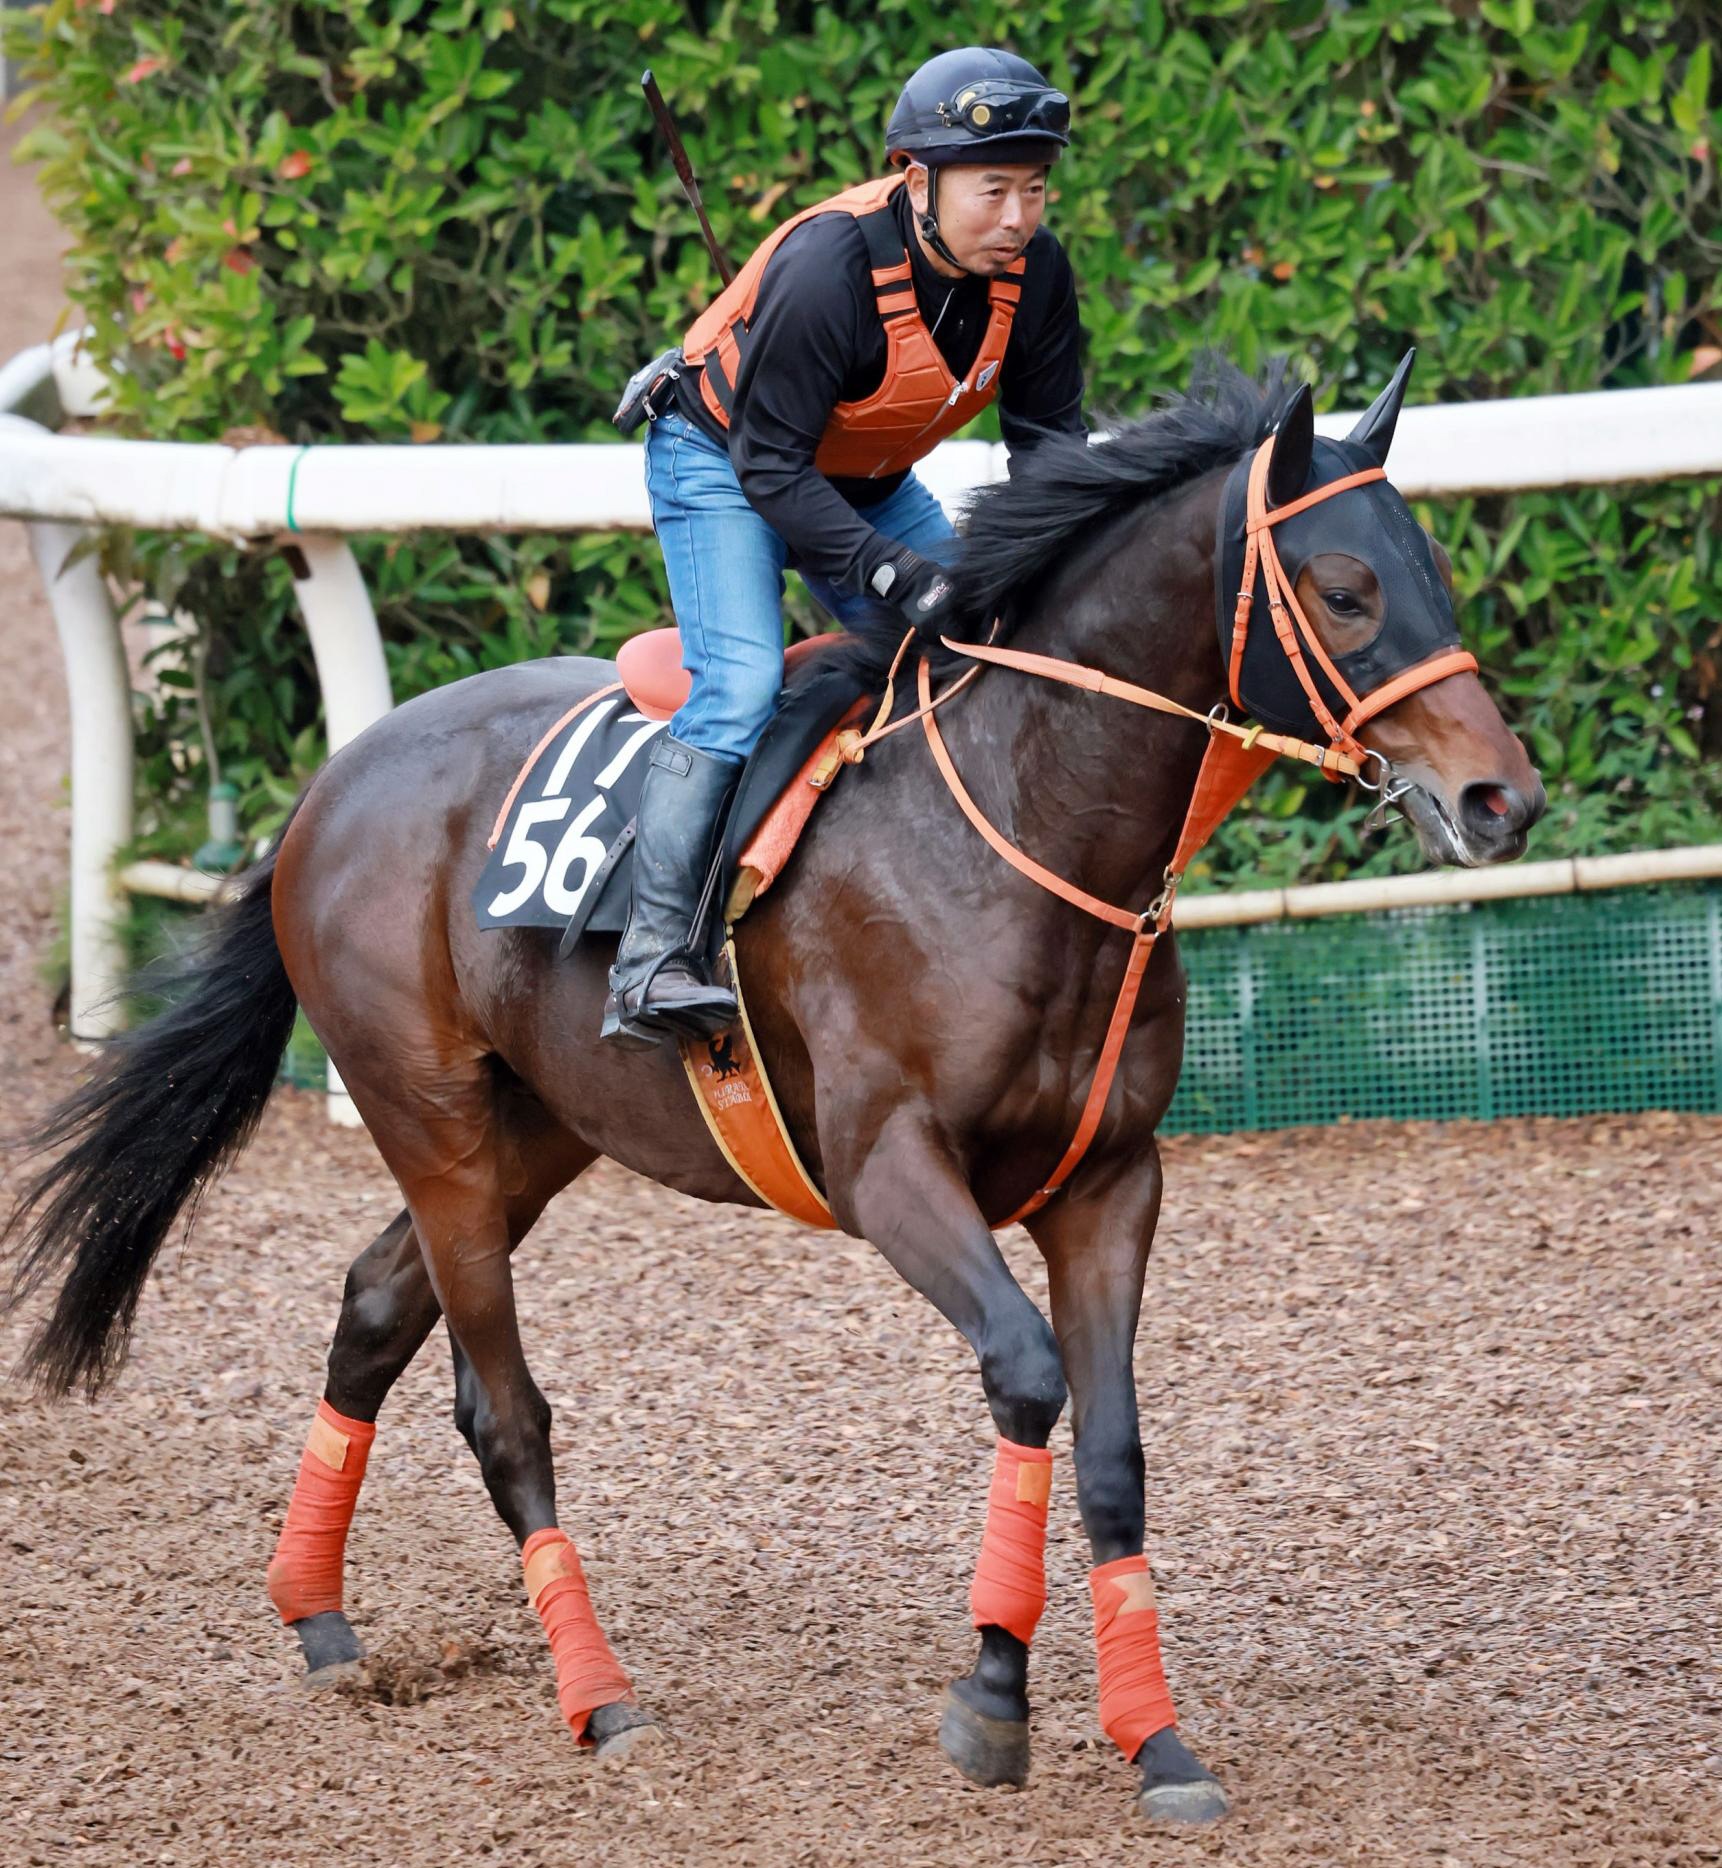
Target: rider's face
[986, 215]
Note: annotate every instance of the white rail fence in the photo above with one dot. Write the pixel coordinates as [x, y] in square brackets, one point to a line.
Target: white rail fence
[66, 486]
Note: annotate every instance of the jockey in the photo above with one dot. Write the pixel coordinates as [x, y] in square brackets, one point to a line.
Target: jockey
[858, 335]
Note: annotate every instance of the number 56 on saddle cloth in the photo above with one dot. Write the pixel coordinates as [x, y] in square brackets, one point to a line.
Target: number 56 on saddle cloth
[563, 838]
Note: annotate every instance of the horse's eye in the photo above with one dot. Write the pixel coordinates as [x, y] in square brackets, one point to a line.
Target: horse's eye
[1342, 602]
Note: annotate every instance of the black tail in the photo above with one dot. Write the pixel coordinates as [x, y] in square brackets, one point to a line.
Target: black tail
[170, 1105]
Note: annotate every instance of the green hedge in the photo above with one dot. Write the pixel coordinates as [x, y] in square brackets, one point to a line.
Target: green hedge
[412, 220]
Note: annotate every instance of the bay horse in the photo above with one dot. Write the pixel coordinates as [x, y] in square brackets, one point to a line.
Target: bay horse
[930, 1017]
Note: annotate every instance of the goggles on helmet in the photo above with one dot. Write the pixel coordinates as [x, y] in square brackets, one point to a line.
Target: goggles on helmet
[995, 108]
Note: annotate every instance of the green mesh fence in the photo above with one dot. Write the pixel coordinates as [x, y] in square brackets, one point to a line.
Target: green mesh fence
[306, 1064]
[1563, 1005]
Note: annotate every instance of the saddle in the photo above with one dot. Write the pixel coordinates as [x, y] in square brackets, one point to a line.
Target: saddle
[562, 845]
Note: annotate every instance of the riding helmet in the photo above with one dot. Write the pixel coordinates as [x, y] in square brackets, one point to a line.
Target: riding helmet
[978, 104]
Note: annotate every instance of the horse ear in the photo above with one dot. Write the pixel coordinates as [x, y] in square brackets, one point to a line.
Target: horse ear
[1375, 431]
[1294, 443]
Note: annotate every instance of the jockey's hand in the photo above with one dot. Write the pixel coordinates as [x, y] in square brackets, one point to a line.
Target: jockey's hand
[922, 590]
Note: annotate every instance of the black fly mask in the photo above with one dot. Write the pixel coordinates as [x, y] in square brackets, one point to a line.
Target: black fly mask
[1281, 660]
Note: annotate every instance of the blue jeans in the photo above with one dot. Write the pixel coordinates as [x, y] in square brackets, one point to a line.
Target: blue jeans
[725, 567]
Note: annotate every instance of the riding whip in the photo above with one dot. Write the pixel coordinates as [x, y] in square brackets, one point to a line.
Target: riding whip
[685, 170]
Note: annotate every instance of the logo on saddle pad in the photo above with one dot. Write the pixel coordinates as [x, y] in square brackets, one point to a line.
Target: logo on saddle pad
[556, 851]
[721, 1076]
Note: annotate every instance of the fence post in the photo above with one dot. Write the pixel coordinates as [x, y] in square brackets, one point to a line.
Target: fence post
[99, 689]
[351, 672]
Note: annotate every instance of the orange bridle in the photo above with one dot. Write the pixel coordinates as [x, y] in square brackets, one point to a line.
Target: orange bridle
[1292, 627]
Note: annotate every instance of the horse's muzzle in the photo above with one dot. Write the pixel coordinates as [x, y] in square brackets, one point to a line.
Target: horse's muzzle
[1489, 823]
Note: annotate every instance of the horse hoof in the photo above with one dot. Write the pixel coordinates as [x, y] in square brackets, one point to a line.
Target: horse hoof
[332, 1651]
[337, 1673]
[1184, 1803]
[1175, 1788]
[632, 1746]
[623, 1730]
[986, 1751]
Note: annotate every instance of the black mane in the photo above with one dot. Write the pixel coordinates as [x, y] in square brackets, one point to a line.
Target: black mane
[1019, 528]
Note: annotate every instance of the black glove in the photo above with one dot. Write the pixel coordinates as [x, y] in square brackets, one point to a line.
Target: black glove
[922, 590]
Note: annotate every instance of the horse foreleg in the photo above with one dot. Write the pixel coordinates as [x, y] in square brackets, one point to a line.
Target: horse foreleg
[1096, 1239]
[908, 1200]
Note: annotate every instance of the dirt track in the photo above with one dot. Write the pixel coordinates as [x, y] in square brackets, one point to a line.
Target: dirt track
[1434, 1424]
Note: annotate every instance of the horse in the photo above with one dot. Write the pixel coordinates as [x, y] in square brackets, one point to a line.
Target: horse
[930, 1015]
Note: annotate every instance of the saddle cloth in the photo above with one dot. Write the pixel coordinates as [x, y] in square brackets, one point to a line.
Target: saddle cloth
[562, 846]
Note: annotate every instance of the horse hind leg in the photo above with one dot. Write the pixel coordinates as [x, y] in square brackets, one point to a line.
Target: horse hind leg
[620, 1725]
[388, 1309]
[508, 1421]
[453, 1158]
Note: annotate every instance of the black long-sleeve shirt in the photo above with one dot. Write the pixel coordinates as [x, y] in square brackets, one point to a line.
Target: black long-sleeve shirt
[816, 339]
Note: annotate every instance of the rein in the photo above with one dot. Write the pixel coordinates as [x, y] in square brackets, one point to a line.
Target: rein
[852, 745]
[1235, 757]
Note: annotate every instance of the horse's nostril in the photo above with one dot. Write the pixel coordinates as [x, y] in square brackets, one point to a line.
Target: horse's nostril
[1491, 809]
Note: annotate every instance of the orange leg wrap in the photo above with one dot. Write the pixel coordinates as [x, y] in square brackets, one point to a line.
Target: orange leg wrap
[1009, 1590]
[1134, 1700]
[305, 1572]
[588, 1675]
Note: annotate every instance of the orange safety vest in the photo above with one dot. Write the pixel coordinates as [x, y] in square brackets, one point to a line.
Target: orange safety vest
[919, 402]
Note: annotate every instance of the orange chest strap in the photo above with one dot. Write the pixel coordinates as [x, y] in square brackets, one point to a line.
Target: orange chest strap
[1229, 767]
[728, 1076]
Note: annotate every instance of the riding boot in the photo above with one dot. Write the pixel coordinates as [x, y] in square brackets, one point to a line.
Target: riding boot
[660, 986]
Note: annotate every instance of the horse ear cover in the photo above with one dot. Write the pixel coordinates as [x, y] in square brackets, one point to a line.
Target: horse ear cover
[1294, 443]
[1374, 430]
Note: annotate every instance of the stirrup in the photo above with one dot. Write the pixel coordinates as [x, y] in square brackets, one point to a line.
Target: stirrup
[621, 1030]
[715, 1011]
[649, 1025]
[697, 1023]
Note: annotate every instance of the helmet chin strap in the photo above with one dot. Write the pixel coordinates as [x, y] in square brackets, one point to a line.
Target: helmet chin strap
[929, 222]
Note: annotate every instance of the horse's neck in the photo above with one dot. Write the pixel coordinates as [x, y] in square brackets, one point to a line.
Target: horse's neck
[1094, 787]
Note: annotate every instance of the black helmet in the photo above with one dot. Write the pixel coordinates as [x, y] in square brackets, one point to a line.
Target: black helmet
[978, 105]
